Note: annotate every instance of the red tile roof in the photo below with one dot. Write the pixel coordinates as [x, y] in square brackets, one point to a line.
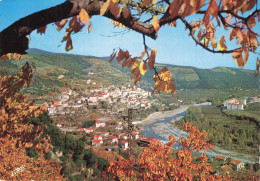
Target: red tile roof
[97, 136]
[112, 137]
[149, 139]
[235, 162]
[221, 157]
[96, 141]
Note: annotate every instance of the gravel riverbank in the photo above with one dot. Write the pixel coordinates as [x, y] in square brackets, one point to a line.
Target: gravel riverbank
[159, 125]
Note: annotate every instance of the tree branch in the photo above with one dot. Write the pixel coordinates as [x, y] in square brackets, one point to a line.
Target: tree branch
[13, 39]
[201, 44]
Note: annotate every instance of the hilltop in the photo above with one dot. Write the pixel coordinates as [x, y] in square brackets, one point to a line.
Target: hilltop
[77, 69]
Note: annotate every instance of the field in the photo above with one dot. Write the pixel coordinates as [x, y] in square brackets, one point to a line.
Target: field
[229, 132]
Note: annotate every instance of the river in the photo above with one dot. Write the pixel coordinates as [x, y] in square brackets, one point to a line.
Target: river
[158, 125]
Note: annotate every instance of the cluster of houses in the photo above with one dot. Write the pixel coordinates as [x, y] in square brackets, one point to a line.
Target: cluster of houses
[235, 104]
[237, 165]
[117, 138]
[129, 97]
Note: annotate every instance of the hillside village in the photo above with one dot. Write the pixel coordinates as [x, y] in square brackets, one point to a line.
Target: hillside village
[121, 99]
[107, 133]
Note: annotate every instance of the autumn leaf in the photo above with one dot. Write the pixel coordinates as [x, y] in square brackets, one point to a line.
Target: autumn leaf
[42, 30]
[214, 43]
[251, 22]
[89, 28]
[147, 2]
[143, 54]
[113, 55]
[126, 12]
[192, 6]
[221, 45]
[211, 10]
[135, 66]
[143, 67]
[151, 60]
[83, 16]
[156, 24]
[237, 56]
[61, 24]
[69, 45]
[104, 7]
[174, 7]
[248, 5]
[139, 10]
[232, 34]
[114, 9]
[257, 66]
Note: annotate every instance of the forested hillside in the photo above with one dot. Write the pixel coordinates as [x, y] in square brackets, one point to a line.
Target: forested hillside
[78, 69]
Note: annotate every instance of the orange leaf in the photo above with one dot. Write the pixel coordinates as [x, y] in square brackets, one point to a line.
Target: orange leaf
[237, 56]
[83, 16]
[114, 9]
[214, 43]
[69, 45]
[192, 6]
[221, 45]
[212, 10]
[251, 22]
[174, 7]
[126, 12]
[104, 8]
[61, 24]
[42, 30]
[232, 34]
[47, 148]
[257, 67]
[147, 2]
[151, 60]
[156, 24]
[143, 54]
[143, 67]
[248, 5]
[89, 28]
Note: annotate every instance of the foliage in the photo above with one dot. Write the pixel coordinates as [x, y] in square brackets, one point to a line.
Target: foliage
[93, 116]
[156, 162]
[223, 130]
[17, 136]
[88, 124]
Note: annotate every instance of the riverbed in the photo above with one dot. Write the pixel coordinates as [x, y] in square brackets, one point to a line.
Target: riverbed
[159, 125]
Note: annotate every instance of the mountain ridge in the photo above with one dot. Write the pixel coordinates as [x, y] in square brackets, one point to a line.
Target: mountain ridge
[77, 69]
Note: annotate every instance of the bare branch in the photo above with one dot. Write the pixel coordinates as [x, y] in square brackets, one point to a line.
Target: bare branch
[201, 44]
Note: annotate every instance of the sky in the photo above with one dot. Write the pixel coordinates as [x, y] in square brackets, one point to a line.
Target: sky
[173, 45]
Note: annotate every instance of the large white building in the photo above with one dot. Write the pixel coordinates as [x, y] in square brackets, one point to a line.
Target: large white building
[235, 104]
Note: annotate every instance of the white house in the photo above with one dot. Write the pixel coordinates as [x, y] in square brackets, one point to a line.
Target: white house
[235, 104]
[88, 130]
[123, 145]
[98, 137]
[105, 133]
[52, 110]
[113, 139]
[60, 124]
[97, 142]
[64, 97]
[99, 124]
[237, 164]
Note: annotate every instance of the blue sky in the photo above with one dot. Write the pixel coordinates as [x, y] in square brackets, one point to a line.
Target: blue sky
[174, 46]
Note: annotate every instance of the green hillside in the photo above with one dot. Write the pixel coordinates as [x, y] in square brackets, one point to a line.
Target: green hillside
[77, 69]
